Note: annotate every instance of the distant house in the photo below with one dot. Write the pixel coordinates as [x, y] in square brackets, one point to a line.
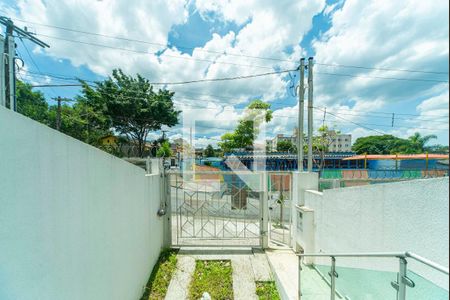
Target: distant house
[109, 140]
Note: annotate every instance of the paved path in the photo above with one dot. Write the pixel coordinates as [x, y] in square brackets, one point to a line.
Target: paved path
[247, 268]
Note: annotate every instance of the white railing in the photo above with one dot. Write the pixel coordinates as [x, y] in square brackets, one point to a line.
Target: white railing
[402, 279]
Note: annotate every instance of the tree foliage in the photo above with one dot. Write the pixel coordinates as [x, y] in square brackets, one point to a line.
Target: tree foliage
[132, 106]
[209, 151]
[286, 146]
[120, 104]
[30, 103]
[164, 150]
[389, 144]
[243, 137]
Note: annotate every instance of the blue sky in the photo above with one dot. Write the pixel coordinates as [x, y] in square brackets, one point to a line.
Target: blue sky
[214, 39]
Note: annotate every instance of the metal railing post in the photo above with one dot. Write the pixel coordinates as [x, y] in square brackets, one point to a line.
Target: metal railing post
[401, 293]
[299, 278]
[333, 278]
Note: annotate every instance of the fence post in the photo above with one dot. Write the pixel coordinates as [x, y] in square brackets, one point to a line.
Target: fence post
[264, 224]
[333, 278]
[365, 160]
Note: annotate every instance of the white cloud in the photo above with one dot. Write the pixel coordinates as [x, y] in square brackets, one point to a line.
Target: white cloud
[269, 29]
[393, 34]
[409, 34]
[149, 21]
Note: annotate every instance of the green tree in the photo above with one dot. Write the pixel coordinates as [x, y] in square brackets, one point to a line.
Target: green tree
[209, 151]
[30, 103]
[286, 146]
[82, 121]
[164, 151]
[378, 144]
[389, 144]
[438, 149]
[322, 142]
[247, 130]
[418, 141]
[132, 106]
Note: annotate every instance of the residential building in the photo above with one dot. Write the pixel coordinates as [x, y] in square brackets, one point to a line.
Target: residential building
[281, 137]
[340, 142]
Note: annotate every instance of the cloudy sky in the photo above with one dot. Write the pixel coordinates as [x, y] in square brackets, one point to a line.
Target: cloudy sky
[373, 59]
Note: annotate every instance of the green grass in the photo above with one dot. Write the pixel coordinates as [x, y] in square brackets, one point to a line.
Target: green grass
[214, 277]
[161, 275]
[267, 290]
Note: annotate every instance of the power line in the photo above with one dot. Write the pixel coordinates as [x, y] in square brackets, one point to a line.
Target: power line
[240, 65]
[355, 123]
[210, 100]
[390, 113]
[153, 53]
[396, 118]
[183, 82]
[227, 53]
[273, 102]
[157, 44]
[384, 78]
[364, 125]
[382, 69]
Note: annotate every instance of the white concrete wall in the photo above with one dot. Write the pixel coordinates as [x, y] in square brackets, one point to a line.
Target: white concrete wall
[301, 181]
[75, 222]
[403, 216]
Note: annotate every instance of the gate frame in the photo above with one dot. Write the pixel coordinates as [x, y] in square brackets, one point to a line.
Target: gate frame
[263, 211]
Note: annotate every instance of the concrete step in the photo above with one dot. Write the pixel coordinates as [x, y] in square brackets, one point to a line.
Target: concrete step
[215, 250]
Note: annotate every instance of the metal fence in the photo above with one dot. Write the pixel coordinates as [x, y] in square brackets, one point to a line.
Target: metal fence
[356, 177]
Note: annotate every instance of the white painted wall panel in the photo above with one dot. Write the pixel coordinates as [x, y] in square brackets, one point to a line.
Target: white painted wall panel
[403, 216]
[75, 222]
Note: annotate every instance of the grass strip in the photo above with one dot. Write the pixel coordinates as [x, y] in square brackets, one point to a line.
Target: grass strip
[162, 273]
[214, 277]
[267, 290]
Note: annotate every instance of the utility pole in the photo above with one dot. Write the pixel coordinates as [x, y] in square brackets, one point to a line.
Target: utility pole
[2, 72]
[301, 115]
[324, 117]
[10, 70]
[8, 55]
[58, 114]
[310, 113]
[190, 136]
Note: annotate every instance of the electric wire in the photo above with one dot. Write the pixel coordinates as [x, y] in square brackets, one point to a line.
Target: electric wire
[230, 54]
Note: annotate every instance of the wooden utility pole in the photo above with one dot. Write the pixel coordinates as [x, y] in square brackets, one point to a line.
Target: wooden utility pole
[7, 59]
[58, 114]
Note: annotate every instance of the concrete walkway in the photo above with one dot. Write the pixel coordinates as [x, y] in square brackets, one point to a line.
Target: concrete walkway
[284, 264]
[248, 267]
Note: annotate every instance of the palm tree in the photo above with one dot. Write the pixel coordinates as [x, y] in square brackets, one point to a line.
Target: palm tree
[418, 141]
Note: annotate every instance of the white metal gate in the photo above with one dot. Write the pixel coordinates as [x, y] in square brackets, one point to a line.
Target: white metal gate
[217, 209]
[280, 208]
